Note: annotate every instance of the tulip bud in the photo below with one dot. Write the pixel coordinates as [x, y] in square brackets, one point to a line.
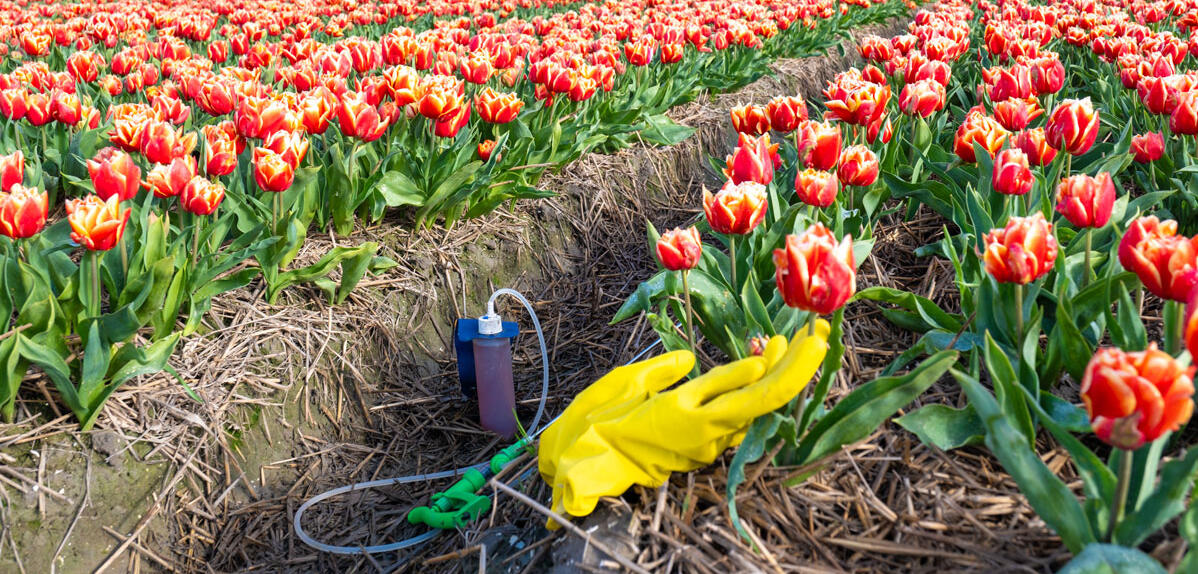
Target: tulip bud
[201, 196]
[113, 173]
[1086, 201]
[819, 145]
[485, 148]
[735, 209]
[858, 166]
[96, 224]
[1012, 175]
[679, 249]
[23, 211]
[815, 273]
[12, 170]
[1134, 398]
[1021, 252]
[1166, 263]
[922, 98]
[818, 188]
[981, 129]
[1033, 143]
[1072, 127]
[1148, 147]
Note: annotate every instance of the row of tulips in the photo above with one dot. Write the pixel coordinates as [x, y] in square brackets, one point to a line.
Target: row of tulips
[1058, 226]
[184, 176]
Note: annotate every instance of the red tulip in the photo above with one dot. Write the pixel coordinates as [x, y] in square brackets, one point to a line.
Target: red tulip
[114, 174]
[1015, 114]
[1034, 144]
[485, 148]
[1134, 398]
[220, 151]
[37, 109]
[1086, 201]
[981, 129]
[12, 170]
[23, 211]
[814, 272]
[1191, 329]
[359, 119]
[816, 188]
[497, 108]
[1021, 252]
[13, 103]
[169, 180]
[858, 166]
[1166, 263]
[1072, 126]
[750, 119]
[1048, 74]
[1184, 119]
[293, 146]
[161, 143]
[922, 98]
[735, 209]
[679, 249]
[819, 144]
[786, 113]
[1012, 175]
[201, 196]
[271, 171]
[753, 159]
[1148, 147]
[95, 223]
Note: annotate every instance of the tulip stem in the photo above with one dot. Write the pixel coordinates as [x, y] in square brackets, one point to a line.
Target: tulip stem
[94, 303]
[811, 323]
[1068, 164]
[1125, 464]
[1175, 326]
[732, 256]
[195, 238]
[1086, 269]
[690, 313]
[1018, 315]
[120, 245]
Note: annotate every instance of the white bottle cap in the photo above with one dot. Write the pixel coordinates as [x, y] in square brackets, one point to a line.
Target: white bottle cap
[490, 324]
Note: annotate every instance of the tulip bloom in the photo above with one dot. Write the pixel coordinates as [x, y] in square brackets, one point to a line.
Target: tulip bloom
[161, 143]
[220, 152]
[1166, 263]
[1012, 175]
[1148, 147]
[1021, 252]
[1048, 74]
[200, 196]
[922, 98]
[750, 119]
[169, 180]
[96, 224]
[753, 160]
[858, 166]
[1086, 201]
[981, 129]
[735, 209]
[679, 249]
[485, 148]
[1184, 119]
[1072, 127]
[1033, 143]
[359, 119]
[815, 273]
[818, 188]
[1191, 325]
[1015, 114]
[293, 146]
[496, 108]
[786, 113]
[114, 174]
[23, 212]
[271, 171]
[819, 145]
[12, 170]
[1134, 398]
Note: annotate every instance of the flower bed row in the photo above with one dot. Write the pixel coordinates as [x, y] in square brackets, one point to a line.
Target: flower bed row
[1065, 193]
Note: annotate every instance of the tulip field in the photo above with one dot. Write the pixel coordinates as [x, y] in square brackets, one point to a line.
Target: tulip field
[158, 158]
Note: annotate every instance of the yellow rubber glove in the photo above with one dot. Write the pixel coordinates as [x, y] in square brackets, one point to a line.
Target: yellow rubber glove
[684, 428]
[611, 397]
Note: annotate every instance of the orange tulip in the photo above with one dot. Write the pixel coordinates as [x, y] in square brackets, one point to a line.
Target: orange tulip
[37, 109]
[818, 188]
[815, 273]
[1021, 252]
[819, 144]
[922, 98]
[679, 249]
[485, 148]
[750, 119]
[754, 159]
[95, 223]
[496, 108]
[161, 143]
[359, 119]
[271, 171]
[23, 212]
[1166, 263]
[1015, 114]
[1012, 175]
[1134, 398]
[200, 196]
[1033, 143]
[293, 146]
[858, 166]
[735, 209]
[1072, 126]
[220, 151]
[786, 113]
[317, 109]
[981, 129]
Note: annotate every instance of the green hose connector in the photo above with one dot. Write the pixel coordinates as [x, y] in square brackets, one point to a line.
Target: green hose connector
[457, 507]
[508, 455]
